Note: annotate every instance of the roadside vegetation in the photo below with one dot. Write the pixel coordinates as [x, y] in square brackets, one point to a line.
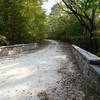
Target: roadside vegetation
[25, 21]
[77, 22]
[22, 21]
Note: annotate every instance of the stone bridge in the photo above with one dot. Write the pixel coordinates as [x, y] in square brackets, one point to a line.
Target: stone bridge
[49, 73]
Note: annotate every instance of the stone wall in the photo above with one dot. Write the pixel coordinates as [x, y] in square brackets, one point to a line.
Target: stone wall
[15, 49]
[89, 65]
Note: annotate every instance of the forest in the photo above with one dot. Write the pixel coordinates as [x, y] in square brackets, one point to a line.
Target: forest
[25, 21]
[22, 21]
[77, 22]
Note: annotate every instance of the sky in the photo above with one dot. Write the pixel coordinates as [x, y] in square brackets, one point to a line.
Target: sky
[48, 5]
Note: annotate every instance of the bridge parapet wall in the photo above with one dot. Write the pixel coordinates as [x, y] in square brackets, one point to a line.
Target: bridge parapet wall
[16, 49]
[89, 65]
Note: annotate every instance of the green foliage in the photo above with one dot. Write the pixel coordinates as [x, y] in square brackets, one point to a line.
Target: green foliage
[98, 22]
[62, 26]
[83, 5]
[3, 40]
[66, 27]
[36, 23]
[74, 20]
[22, 21]
[85, 12]
[12, 22]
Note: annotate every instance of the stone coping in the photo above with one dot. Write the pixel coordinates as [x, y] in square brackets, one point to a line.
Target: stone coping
[96, 68]
[93, 59]
[17, 45]
[16, 49]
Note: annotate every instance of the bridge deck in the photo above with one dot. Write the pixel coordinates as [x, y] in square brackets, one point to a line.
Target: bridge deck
[48, 74]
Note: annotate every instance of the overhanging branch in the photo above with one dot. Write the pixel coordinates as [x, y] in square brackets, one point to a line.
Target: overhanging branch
[75, 11]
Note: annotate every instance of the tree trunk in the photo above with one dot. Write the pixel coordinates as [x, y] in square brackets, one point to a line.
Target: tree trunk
[93, 39]
[93, 43]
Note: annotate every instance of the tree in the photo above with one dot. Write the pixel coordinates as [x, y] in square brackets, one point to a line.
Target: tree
[12, 22]
[63, 26]
[36, 22]
[22, 21]
[85, 12]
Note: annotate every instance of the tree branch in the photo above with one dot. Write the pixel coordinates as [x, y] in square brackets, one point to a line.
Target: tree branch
[63, 9]
[75, 11]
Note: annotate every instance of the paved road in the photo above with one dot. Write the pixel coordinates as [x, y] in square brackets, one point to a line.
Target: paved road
[35, 76]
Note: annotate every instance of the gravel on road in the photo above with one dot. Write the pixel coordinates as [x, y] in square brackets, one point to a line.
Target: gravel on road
[48, 74]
